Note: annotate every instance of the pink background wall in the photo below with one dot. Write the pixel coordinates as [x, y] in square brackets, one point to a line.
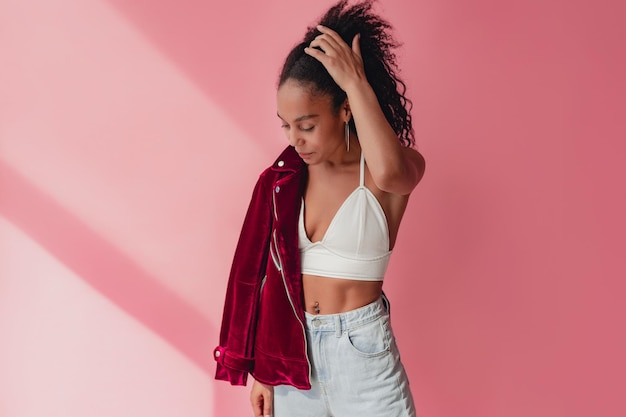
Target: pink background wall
[132, 132]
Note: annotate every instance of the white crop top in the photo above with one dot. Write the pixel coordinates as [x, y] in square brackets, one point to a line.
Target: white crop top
[356, 244]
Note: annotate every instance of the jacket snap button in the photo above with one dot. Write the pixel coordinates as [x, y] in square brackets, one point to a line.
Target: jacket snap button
[277, 189]
[281, 163]
[217, 353]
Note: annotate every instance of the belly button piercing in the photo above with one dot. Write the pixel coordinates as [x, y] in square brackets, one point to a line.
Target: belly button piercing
[316, 307]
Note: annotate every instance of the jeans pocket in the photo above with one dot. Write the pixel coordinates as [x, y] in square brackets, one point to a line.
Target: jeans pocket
[370, 339]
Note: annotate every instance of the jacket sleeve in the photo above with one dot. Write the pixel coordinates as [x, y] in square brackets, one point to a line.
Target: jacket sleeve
[234, 355]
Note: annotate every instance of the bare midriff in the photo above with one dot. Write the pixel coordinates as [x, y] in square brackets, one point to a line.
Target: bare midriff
[333, 295]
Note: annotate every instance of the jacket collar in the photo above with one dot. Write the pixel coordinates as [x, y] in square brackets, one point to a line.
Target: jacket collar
[288, 161]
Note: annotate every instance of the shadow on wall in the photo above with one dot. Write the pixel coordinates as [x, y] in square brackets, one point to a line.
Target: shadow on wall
[227, 49]
[230, 51]
[106, 269]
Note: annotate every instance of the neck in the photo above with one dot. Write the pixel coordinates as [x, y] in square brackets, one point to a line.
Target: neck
[342, 157]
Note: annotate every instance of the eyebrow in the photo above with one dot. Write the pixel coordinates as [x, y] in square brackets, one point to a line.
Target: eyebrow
[302, 118]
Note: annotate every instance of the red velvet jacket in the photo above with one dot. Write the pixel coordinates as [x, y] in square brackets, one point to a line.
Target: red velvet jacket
[263, 323]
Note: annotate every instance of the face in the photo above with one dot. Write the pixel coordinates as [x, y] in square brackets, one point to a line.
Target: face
[310, 124]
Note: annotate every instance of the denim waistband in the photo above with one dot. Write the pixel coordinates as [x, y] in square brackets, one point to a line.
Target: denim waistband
[339, 322]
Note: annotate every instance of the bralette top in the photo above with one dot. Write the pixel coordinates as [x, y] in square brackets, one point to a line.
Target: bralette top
[356, 243]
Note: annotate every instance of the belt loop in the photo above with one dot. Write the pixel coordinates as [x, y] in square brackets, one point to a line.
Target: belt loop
[338, 329]
[386, 303]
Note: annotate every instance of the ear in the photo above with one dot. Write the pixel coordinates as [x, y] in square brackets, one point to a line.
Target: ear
[346, 113]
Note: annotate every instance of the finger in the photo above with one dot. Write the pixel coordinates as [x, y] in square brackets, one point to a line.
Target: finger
[333, 37]
[317, 54]
[328, 31]
[267, 404]
[257, 407]
[336, 43]
[356, 44]
[256, 399]
[326, 45]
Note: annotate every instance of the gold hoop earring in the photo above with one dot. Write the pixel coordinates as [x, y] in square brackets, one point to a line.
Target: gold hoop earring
[347, 130]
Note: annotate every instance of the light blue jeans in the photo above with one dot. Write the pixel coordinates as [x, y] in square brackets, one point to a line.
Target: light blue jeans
[356, 369]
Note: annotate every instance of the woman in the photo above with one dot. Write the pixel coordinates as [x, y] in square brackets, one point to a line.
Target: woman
[304, 310]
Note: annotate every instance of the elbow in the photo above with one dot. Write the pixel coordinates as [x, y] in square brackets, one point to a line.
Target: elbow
[402, 179]
[396, 182]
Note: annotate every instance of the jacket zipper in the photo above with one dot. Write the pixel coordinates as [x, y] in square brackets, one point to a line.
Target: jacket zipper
[282, 274]
[262, 285]
[274, 201]
[276, 264]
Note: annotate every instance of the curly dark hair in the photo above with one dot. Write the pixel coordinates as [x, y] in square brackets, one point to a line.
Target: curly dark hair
[379, 60]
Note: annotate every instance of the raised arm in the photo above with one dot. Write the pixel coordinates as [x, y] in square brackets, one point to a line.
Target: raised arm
[394, 168]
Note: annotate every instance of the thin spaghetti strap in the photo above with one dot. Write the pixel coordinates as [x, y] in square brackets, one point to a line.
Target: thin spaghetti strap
[362, 170]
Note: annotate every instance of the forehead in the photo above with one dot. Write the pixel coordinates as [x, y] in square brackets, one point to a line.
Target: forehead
[294, 99]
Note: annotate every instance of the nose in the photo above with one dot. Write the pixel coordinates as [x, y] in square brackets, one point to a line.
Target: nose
[294, 138]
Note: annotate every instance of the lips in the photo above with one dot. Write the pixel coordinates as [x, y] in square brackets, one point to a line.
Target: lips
[305, 155]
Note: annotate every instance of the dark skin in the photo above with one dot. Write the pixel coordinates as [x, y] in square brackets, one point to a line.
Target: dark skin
[316, 131]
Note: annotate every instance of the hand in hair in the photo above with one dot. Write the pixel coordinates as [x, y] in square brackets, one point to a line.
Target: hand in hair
[343, 63]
